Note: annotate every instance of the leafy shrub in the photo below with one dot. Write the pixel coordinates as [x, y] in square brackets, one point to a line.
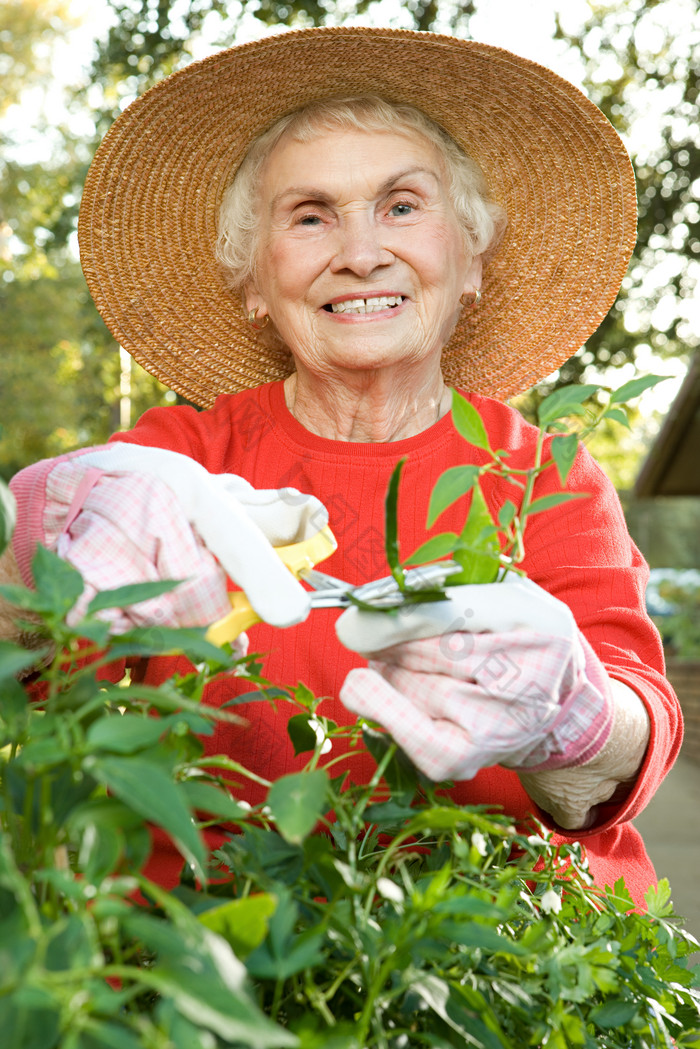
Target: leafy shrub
[680, 627]
[406, 921]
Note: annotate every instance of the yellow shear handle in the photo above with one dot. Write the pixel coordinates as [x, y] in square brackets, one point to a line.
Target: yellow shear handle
[298, 557]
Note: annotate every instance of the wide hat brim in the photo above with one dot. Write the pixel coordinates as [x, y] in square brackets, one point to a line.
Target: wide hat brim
[148, 218]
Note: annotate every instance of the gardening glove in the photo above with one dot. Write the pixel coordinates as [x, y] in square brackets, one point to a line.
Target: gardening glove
[495, 674]
[124, 514]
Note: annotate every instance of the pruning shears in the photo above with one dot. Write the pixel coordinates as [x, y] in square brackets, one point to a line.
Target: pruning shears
[329, 592]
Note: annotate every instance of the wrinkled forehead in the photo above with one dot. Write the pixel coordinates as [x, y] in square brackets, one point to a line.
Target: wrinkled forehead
[373, 154]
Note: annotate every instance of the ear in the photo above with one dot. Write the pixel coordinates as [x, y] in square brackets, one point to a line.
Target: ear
[473, 276]
[254, 300]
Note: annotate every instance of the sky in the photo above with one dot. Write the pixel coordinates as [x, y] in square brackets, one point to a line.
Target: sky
[523, 26]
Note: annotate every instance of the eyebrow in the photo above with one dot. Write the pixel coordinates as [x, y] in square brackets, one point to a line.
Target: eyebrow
[314, 193]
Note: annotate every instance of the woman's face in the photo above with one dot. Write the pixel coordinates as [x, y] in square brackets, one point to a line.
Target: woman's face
[361, 261]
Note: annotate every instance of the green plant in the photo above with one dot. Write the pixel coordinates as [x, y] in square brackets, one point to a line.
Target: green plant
[486, 548]
[680, 629]
[7, 515]
[407, 921]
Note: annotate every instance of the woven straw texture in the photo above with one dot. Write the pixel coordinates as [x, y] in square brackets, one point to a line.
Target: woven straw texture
[148, 216]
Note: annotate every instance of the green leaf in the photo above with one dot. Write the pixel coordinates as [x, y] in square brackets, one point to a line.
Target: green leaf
[438, 995]
[449, 487]
[72, 943]
[57, 586]
[125, 733]
[149, 790]
[108, 1035]
[201, 975]
[391, 525]
[400, 773]
[434, 549]
[242, 923]
[124, 596]
[614, 1013]
[658, 899]
[22, 597]
[301, 733]
[474, 934]
[634, 387]
[302, 694]
[618, 415]
[507, 513]
[284, 953]
[468, 423]
[29, 1019]
[206, 797]
[388, 813]
[564, 449]
[57, 583]
[157, 641]
[556, 499]
[14, 659]
[8, 515]
[479, 549]
[101, 849]
[296, 803]
[436, 819]
[566, 401]
[14, 712]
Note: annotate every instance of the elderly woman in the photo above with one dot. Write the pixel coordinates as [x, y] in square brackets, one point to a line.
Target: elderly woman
[398, 213]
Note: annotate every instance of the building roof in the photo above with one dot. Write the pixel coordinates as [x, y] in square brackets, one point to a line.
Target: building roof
[672, 466]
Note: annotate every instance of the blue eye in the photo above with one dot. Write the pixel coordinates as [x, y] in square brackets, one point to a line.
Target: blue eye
[401, 210]
[309, 220]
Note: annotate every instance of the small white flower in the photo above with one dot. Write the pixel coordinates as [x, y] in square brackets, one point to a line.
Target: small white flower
[389, 890]
[551, 901]
[479, 842]
[318, 728]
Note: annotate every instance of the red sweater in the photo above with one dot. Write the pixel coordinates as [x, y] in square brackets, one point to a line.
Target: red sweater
[580, 552]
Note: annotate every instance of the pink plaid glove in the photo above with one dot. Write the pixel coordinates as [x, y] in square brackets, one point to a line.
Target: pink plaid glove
[506, 678]
[126, 514]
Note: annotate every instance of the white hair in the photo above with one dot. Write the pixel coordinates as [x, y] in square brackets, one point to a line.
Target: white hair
[481, 219]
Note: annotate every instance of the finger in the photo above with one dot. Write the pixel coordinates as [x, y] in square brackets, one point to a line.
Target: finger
[285, 515]
[373, 632]
[513, 605]
[494, 730]
[436, 748]
[249, 559]
[434, 695]
[240, 546]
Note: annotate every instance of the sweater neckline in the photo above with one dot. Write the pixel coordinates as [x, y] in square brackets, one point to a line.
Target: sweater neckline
[428, 439]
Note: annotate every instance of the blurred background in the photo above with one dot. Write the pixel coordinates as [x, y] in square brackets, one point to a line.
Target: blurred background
[69, 67]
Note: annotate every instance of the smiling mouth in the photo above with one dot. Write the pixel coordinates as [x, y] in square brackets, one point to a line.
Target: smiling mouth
[364, 305]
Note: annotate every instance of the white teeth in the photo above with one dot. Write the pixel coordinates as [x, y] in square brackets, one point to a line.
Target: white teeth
[366, 305]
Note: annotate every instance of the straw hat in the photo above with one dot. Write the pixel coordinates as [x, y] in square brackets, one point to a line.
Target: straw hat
[148, 217]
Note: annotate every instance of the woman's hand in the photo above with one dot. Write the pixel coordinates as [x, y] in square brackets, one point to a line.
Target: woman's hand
[506, 678]
[127, 514]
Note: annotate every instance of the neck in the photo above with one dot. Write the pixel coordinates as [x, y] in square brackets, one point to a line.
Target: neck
[374, 407]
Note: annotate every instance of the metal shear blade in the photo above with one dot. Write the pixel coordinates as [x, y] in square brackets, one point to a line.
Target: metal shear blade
[382, 593]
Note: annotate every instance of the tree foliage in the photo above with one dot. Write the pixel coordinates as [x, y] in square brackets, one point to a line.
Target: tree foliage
[27, 30]
[642, 68]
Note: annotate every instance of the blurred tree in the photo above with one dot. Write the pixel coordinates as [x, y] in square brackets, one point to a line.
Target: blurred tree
[642, 67]
[59, 373]
[28, 29]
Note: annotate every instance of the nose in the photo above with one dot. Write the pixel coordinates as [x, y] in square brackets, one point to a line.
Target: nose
[359, 248]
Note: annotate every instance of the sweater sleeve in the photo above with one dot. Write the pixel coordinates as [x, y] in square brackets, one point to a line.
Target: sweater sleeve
[582, 553]
[177, 428]
[217, 437]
